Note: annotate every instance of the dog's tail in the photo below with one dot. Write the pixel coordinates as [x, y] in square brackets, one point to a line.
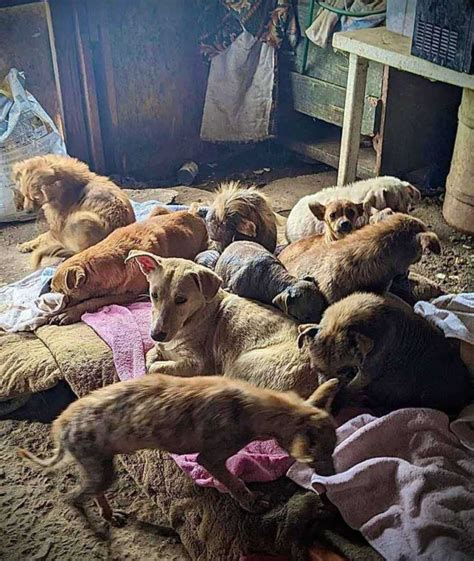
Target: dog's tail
[52, 462]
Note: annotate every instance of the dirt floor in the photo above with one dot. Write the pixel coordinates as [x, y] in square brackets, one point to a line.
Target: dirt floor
[35, 524]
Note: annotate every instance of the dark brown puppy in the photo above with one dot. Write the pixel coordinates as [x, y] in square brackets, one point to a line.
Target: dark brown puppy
[212, 415]
[386, 356]
[366, 260]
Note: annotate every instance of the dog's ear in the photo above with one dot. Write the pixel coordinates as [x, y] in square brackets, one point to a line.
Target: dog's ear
[47, 175]
[246, 227]
[75, 277]
[429, 242]
[414, 193]
[208, 282]
[324, 394]
[281, 301]
[360, 209]
[299, 449]
[306, 331]
[369, 203]
[363, 343]
[146, 261]
[318, 210]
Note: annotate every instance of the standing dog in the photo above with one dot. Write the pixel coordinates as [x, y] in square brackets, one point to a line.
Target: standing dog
[241, 213]
[81, 207]
[383, 352]
[367, 260]
[249, 270]
[201, 329]
[211, 415]
[379, 193]
[99, 275]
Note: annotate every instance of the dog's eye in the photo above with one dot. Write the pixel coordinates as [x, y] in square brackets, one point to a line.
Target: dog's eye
[154, 295]
[350, 213]
[332, 216]
[180, 300]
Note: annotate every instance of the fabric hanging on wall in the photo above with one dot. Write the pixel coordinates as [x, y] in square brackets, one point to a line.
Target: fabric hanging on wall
[241, 39]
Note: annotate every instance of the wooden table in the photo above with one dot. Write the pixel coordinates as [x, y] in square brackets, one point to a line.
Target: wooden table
[392, 49]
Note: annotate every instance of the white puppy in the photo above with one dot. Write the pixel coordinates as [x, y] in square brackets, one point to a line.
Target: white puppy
[378, 193]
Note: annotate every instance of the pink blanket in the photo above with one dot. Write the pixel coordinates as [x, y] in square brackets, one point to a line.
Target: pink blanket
[126, 329]
[406, 482]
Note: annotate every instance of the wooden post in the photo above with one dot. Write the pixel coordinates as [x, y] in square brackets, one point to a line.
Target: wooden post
[352, 122]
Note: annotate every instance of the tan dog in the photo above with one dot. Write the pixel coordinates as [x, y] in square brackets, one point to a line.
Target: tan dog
[339, 217]
[386, 355]
[99, 275]
[378, 192]
[81, 207]
[241, 213]
[211, 415]
[201, 329]
[367, 260]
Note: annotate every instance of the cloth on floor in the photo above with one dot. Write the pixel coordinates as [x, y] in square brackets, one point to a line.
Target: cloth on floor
[453, 313]
[24, 305]
[406, 482]
[258, 461]
[126, 329]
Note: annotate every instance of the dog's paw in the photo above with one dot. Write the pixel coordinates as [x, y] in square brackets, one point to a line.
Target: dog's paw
[118, 518]
[64, 318]
[26, 247]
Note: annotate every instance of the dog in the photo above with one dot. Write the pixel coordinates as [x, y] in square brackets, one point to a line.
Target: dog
[378, 193]
[211, 415]
[251, 271]
[80, 207]
[386, 356]
[366, 260]
[201, 329]
[241, 213]
[99, 275]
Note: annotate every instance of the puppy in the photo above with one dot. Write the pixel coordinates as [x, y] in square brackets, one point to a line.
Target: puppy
[80, 207]
[367, 260]
[249, 270]
[384, 353]
[211, 415]
[339, 218]
[378, 192]
[201, 329]
[99, 275]
[241, 213]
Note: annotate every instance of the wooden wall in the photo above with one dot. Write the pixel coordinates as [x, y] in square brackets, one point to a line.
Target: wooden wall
[131, 78]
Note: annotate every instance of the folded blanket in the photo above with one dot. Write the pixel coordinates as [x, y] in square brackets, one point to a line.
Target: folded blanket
[406, 482]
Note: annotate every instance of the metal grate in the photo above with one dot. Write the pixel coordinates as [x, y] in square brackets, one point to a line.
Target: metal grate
[438, 44]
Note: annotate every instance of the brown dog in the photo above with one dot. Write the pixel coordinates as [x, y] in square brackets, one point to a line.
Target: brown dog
[339, 217]
[81, 207]
[99, 275]
[386, 354]
[241, 213]
[367, 260]
[211, 415]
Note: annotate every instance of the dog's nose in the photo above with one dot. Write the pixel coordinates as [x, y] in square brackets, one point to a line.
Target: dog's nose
[345, 226]
[158, 336]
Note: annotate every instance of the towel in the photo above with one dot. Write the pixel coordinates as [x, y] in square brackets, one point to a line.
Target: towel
[406, 482]
[258, 461]
[126, 329]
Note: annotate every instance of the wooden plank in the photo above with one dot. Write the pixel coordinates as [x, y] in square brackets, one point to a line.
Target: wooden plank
[352, 124]
[325, 101]
[389, 48]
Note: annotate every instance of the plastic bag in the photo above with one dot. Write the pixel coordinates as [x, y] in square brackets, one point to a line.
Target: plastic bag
[26, 130]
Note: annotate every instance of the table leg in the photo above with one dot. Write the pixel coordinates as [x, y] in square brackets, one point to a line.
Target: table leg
[352, 122]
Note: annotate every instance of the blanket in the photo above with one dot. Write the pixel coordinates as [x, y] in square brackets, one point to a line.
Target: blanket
[406, 482]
